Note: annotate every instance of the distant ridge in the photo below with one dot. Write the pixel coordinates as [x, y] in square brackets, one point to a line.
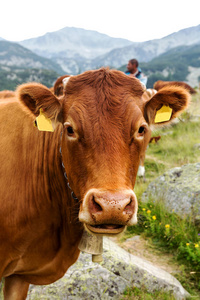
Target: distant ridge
[74, 42]
[145, 51]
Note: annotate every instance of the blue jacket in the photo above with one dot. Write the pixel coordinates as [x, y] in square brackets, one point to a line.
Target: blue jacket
[140, 76]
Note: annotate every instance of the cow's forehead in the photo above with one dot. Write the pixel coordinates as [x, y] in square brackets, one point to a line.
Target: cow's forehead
[109, 82]
[102, 91]
[92, 107]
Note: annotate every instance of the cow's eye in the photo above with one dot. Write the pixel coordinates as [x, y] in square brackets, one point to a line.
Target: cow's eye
[141, 129]
[70, 131]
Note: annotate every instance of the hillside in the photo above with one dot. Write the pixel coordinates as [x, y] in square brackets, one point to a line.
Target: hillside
[13, 54]
[11, 77]
[180, 64]
[19, 65]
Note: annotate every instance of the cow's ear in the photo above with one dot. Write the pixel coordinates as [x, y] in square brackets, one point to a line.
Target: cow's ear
[38, 99]
[166, 105]
[60, 85]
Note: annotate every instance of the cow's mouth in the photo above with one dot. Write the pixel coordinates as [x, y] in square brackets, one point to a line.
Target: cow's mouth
[106, 228]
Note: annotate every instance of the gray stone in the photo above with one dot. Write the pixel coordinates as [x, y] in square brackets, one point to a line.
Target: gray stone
[197, 146]
[179, 189]
[134, 238]
[108, 280]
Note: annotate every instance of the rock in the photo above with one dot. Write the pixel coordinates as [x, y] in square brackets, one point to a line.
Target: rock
[134, 238]
[179, 189]
[197, 146]
[108, 280]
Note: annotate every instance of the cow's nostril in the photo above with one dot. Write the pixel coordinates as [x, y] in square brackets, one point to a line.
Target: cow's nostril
[130, 207]
[95, 207]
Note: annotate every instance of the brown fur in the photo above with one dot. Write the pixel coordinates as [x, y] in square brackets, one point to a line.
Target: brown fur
[160, 84]
[173, 96]
[7, 94]
[39, 220]
[58, 86]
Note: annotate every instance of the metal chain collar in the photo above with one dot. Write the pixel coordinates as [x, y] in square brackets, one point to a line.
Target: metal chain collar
[65, 175]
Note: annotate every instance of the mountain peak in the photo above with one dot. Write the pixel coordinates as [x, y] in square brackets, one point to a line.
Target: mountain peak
[72, 41]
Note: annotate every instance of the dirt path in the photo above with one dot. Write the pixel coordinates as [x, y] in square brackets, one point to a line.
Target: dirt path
[141, 247]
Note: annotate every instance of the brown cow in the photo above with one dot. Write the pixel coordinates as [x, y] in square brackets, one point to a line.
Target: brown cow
[7, 94]
[160, 84]
[102, 125]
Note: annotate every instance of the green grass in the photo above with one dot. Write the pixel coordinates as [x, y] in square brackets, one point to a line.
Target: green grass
[142, 294]
[1, 289]
[171, 234]
[176, 146]
[169, 231]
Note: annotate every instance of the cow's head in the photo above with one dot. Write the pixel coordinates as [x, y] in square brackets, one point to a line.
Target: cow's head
[106, 126]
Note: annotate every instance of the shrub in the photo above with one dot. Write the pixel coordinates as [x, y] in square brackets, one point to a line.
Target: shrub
[170, 231]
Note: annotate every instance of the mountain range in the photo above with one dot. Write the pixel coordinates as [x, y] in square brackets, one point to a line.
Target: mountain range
[77, 50]
[74, 42]
[74, 50]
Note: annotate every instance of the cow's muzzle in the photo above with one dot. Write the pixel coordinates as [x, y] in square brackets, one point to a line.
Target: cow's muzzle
[108, 212]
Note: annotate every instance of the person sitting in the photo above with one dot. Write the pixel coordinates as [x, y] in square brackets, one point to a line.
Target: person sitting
[133, 70]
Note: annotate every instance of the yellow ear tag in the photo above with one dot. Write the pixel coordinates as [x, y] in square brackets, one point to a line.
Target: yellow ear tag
[164, 114]
[43, 123]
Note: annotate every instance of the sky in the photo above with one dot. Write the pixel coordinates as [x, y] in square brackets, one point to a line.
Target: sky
[137, 21]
